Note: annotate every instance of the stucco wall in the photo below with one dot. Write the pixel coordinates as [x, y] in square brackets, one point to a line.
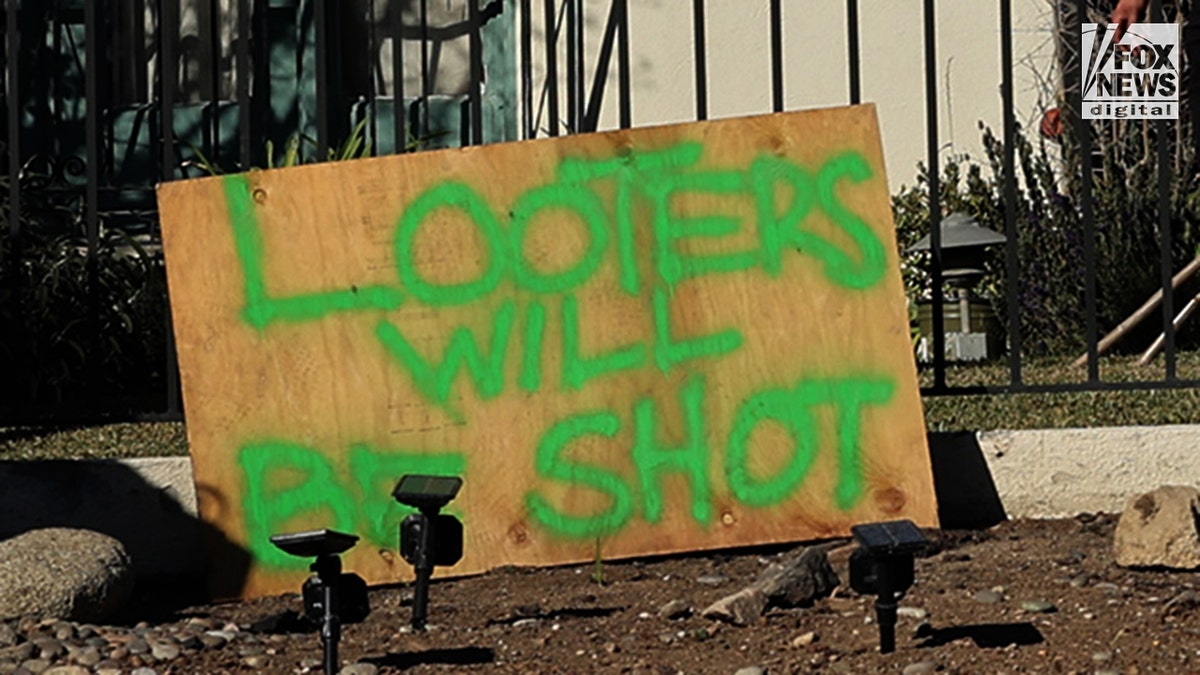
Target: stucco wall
[815, 65]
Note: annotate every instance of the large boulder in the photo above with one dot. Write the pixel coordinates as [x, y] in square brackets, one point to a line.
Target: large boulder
[63, 573]
[1159, 529]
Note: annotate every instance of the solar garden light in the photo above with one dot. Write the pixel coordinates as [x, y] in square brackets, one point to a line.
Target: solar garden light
[428, 538]
[330, 597]
[883, 565]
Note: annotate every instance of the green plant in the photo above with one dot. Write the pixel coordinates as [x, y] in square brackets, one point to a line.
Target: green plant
[1051, 233]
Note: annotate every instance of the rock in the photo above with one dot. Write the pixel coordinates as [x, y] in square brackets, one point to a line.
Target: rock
[799, 580]
[359, 669]
[742, 608]
[751, 670]
[66, 670]
[804, 639]
[1158, 529]
[36, 666]
[1039, 607]
[8, 635]
[675, 609]
[255, 661]
[138, 646]
[164, 650]
[49, 648]
[1185, 603]
[144, 671]
[18, 653]
[64, 573]
[711, 579]
[213, 640]
[921, 668]
[912, 613]
[988, 597]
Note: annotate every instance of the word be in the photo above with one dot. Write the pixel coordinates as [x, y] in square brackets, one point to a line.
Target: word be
[272, 496]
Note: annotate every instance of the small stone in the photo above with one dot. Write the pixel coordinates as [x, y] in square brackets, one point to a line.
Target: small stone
[1079, 581]
[526, 623]
[19, 653]
[711, 579]
[359, 668]
[144, 671]
[66, 670]
[86, 631]
[310, 663]
[921, 668]
[88, 656]
[987, 597]
[118, 654]
[1038, 607]
[912, 613]
[751, 670]
[97, 642]
[675, 609]
[213, 640]
[1102, 657]
[256, 661]
[49, 648]
[36, 666]
[742, 608]
[138, 646]
[804, 639]
[666, 638]
[164, 650]
[8, 635]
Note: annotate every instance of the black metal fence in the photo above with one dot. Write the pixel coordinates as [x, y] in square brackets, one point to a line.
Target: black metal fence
[102, 99]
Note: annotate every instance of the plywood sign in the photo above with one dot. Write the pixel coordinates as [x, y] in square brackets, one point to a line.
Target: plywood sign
[646, 341]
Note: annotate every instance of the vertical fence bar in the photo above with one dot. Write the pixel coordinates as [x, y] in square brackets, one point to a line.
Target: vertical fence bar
[242, 73]
[579, 91]
[321, 19]
[852, 52]
[526, 29]
[168, 40]
[777, 55]
[426, 79]
[935, 190]
[573, 56]
[399, 110]
[624, 97]
[91, 212]
[371, 61]
[12, 97]
[551, 68]
[1166, 266]
[700, 58]
[1011, 266]
[475, 54]
[212, 137]
[1083, 130]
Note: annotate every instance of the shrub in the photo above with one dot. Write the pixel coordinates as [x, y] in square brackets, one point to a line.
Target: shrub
[1051, 233]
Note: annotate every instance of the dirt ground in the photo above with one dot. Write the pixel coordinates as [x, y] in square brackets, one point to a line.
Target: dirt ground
[1023, 596]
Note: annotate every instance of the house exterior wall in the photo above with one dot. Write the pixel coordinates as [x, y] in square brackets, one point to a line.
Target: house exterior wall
[815, 65]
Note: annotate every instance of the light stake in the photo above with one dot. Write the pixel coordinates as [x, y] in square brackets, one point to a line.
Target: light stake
[330, 597]
[883, 566]
[427, 538]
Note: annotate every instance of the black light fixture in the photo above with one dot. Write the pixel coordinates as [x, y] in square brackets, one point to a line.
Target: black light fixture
[883, 566]
[964, 243]
[331, 598]
[428, 538]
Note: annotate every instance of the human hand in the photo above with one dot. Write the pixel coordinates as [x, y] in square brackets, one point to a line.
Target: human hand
[1125, 13]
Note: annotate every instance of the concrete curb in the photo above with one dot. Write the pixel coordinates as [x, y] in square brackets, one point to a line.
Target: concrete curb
[150, 504]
